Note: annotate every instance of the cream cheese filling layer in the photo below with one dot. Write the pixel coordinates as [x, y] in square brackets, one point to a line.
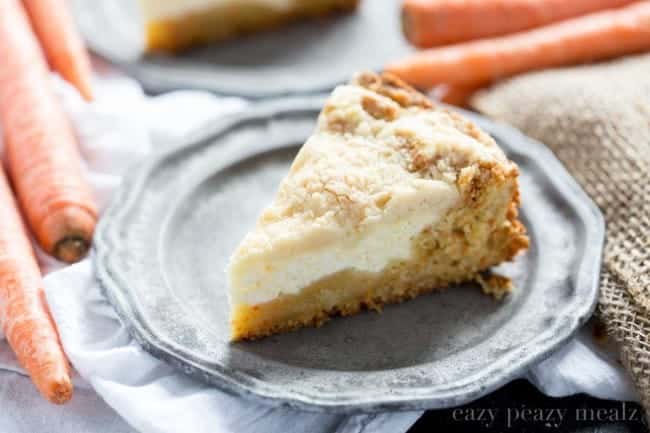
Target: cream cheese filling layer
[160, 9]
[262, 277]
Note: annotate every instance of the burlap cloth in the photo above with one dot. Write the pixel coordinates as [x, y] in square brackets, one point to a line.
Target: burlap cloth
[597, 121]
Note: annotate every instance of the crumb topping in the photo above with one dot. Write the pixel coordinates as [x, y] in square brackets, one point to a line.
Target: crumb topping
[378, 148]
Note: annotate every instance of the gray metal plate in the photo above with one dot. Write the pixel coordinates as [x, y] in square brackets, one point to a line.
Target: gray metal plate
[162, 246]
[306, 57]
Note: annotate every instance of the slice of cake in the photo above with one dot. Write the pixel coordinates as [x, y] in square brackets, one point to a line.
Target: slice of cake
[173, 25]
[390, 198]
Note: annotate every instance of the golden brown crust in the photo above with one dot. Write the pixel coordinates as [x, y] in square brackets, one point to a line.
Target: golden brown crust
[317, 317]
[391, 86]
[378, 110]
[512, 235]
[494, 285]
[175, 34]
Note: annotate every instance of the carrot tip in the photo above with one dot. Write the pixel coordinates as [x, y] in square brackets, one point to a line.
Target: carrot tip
[87, 93]
[71, 249]
[61, 393]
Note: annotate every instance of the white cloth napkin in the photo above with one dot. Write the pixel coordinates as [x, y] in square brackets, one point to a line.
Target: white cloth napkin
[120, 387]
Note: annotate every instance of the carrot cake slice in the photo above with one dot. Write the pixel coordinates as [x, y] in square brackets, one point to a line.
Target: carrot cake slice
[390, 198]
[173, 25]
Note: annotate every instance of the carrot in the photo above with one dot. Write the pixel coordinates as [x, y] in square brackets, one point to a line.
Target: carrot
[44, 162]
[455, 94]
[591, 37]
[63, 46]
[429, 23]
[23, 314]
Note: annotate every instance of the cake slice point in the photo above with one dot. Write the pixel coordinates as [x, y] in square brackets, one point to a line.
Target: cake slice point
[391, 197]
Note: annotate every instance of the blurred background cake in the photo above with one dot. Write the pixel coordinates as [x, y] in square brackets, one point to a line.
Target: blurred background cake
[173, 25]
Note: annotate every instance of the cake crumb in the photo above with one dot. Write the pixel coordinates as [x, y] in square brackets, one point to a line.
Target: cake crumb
[494, 285]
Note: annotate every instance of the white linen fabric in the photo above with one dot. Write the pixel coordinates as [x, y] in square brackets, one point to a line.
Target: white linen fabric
[121, 388]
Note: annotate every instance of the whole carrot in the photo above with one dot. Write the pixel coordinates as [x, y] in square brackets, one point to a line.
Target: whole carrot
[597, 36]
[23, 314]
[63, 46]
[43, 158]
[429, 23]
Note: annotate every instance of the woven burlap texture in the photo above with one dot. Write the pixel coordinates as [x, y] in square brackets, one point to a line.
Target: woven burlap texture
[596, 119]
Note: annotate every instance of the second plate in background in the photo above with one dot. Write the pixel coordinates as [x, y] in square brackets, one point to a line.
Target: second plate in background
[306, 57]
